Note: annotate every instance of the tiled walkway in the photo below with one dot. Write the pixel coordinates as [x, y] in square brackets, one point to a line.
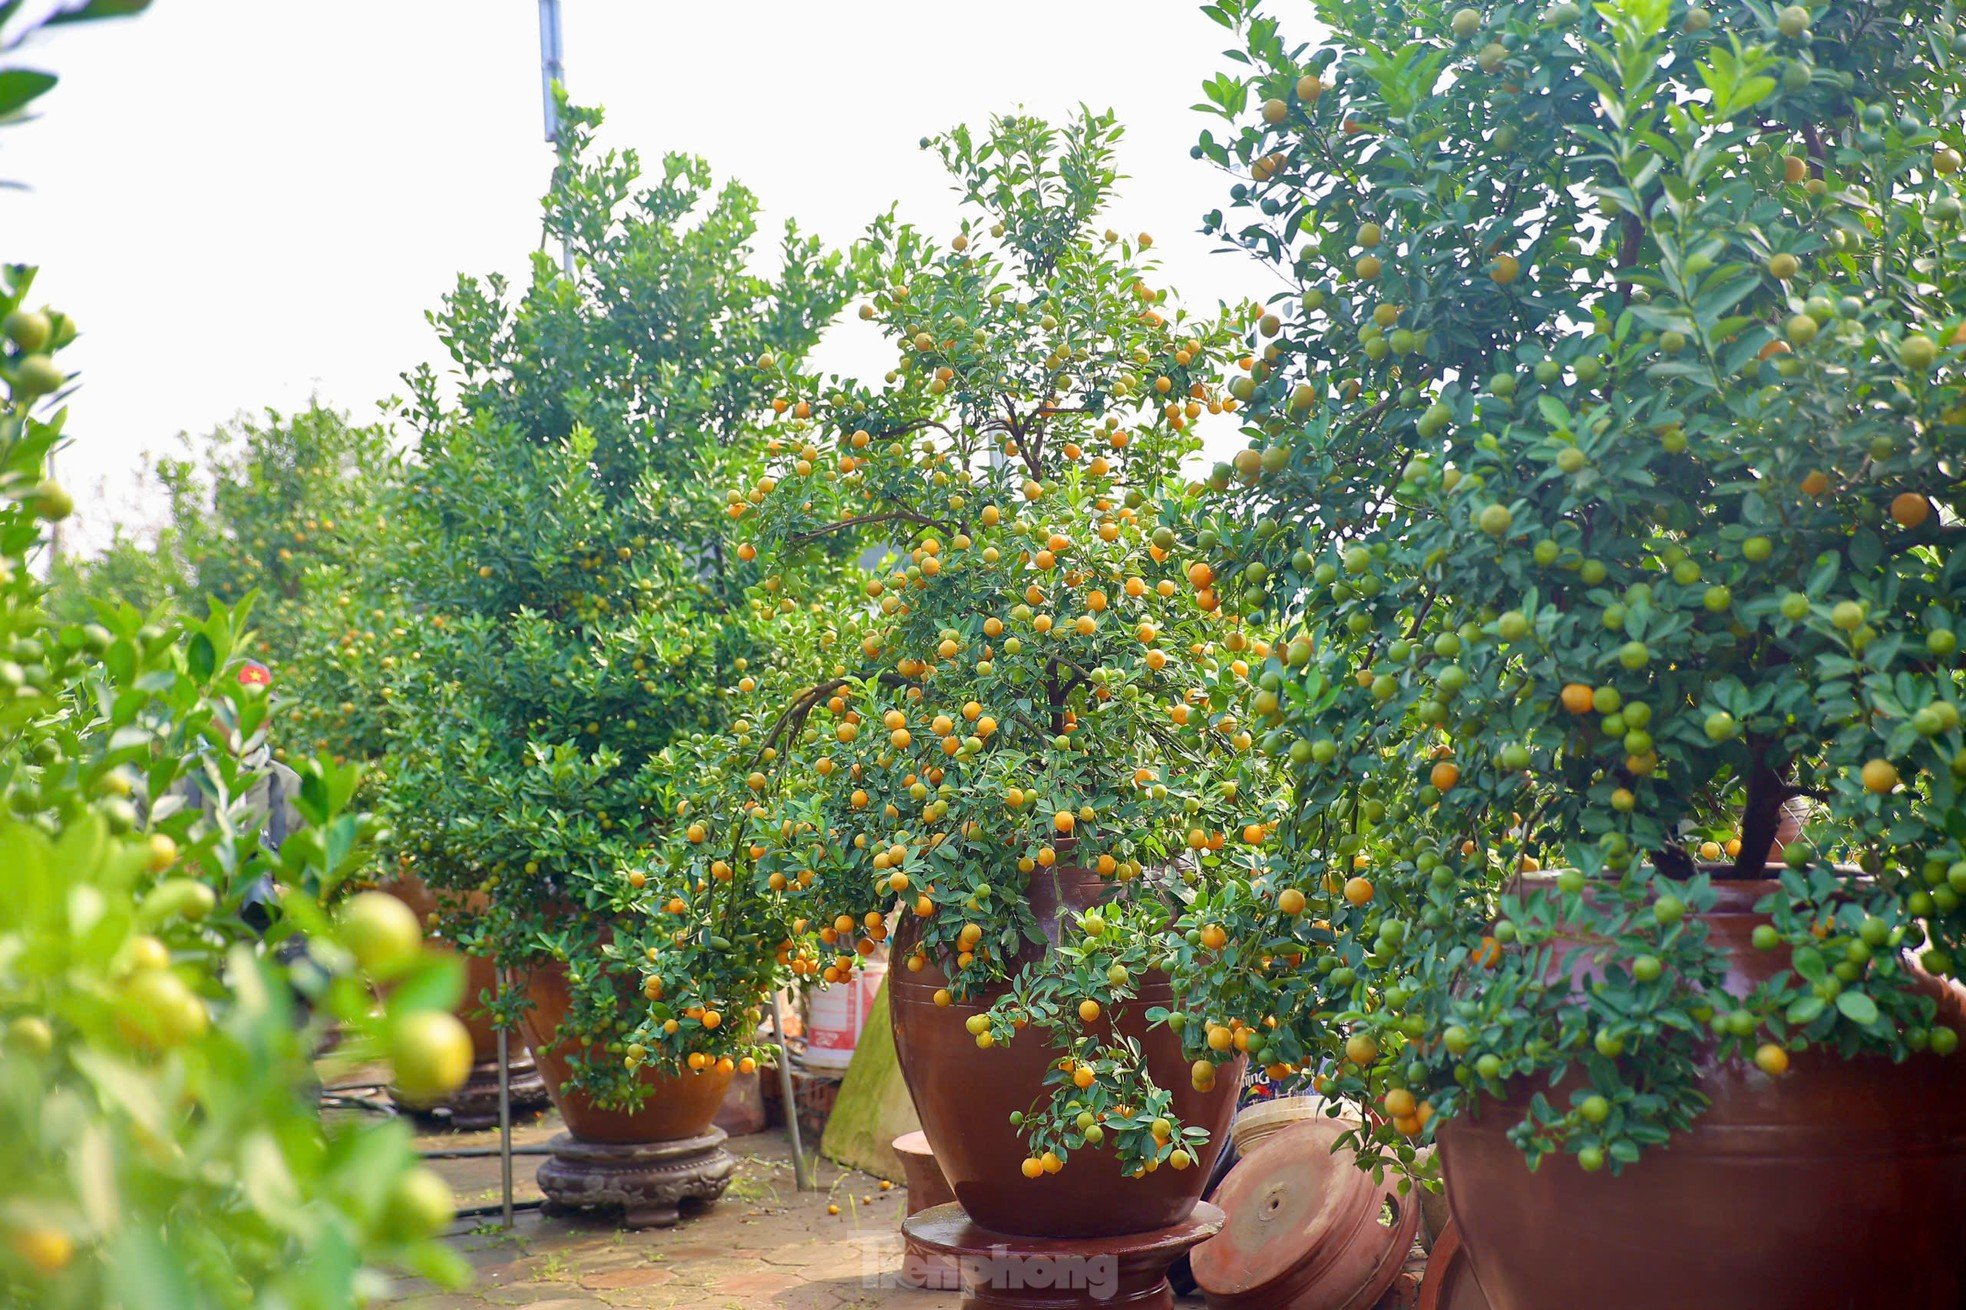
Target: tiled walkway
[764, 1245]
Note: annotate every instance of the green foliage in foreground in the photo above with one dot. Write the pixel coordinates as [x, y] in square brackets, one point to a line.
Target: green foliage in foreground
[293, 509]
[160, 1141]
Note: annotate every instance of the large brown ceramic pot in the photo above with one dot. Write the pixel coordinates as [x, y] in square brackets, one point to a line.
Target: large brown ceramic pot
[474, 1105]
[479, 974]
[1837, 1186]
[678, 1105]
[965, 1096]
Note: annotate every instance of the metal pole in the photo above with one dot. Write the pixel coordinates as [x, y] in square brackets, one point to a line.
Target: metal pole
[550, 67]
[504, 1117]
[785, 1093]
[552, 72]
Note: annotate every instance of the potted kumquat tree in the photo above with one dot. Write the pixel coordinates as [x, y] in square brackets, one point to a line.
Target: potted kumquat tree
[1029, 751]
[1605, 465]
[574, 613]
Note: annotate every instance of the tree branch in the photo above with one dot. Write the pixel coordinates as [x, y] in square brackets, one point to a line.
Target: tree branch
[801, 706]
[897, 515]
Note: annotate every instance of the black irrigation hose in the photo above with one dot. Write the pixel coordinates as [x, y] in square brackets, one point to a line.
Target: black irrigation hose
[483, 1152]
[478, 1211]
[339, 1095]
[342, 1088]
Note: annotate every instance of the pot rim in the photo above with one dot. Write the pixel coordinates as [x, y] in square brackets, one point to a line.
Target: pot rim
[1732, 895]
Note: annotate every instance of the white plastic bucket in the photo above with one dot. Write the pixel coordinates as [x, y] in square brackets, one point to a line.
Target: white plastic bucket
[837, 1013]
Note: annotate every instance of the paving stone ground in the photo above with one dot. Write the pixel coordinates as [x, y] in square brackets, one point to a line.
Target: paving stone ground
[765, 1244]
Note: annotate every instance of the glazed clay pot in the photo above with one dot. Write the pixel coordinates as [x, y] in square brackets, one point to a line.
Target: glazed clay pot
[678, 1105]
[474, 1105]
[479, 974]
[965, 1097]
[1837, 1186]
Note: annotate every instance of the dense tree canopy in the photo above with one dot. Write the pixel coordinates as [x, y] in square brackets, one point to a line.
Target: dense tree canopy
[1609, 461]
[574, 609]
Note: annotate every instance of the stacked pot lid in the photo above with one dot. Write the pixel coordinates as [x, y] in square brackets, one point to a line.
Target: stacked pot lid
[1450, 1282]
[927, 1188]
[1306, 1228]
[1254, 1124]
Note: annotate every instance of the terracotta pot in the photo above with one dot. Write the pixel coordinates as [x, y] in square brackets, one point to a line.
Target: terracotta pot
[922, 1176]
[965, 1097]
[1837, 1186]
[678, 1106]
[1257, 1123]
[479, 975]
[1449, 1283]
[1306, 1227]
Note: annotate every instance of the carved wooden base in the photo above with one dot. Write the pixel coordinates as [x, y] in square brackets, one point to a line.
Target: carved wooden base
[474, 1106]
[649, 1182]
[1002, 1272]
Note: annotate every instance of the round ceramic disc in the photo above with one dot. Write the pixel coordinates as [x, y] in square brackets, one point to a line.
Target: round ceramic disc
[1303, 1224]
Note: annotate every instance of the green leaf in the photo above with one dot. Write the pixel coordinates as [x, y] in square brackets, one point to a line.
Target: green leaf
[201, 658]
[121, 661]
[1857, 1007]
[435, 982]
[268, 1183]
[93, 1167]
[1866, 550]
[95, 9]
[143, 1274]
[314, 796]
[18, 86]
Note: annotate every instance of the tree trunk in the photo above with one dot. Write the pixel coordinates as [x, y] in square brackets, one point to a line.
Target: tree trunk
[1761, 816]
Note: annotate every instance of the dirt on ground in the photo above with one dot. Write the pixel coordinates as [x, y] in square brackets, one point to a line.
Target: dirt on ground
[836, 1246]
[764, 1244]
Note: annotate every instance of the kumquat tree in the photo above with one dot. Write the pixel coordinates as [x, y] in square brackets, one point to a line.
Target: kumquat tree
[1605, 469]
[575, 610]
[1044, 674]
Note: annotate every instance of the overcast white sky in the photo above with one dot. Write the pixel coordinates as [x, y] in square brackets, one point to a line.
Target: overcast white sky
[245, 202]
